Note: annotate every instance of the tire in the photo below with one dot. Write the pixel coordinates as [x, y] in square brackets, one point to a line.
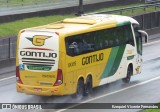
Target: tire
[88, 86]
[80, 89]
[129, 74]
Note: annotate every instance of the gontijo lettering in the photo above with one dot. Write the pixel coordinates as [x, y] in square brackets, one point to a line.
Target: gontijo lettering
[92, 59]
[38, 54]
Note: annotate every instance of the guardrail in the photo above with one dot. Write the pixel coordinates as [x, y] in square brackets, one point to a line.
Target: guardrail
[121, 10]
[152, 1]
[39, 3]
[147, 21]
[63, 8]
[7, 48]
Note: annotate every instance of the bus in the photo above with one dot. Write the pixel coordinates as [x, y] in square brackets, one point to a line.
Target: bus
[75, 55]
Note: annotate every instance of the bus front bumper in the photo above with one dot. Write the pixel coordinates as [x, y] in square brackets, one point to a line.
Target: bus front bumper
[39, 90]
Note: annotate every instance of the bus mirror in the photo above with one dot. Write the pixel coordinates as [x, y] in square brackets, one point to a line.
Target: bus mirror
[144, 34]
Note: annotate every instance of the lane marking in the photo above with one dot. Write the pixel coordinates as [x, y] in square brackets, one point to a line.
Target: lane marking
[105, 95]
[7, 78]
[151, 59]
[150, 43]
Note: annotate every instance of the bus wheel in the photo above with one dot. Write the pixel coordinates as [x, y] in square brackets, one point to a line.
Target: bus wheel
[80, 89]
[129, 74]
[88, 86]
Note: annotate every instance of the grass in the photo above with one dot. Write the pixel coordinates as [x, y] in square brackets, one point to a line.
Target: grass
[24, 2]
[12, 28]
[152, 110]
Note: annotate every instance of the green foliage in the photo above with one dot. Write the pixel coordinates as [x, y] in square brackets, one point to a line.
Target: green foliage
[152, 110]
[5, 3]
[12, 28]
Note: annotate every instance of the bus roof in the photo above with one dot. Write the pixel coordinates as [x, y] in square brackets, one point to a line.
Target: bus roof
[85, 23]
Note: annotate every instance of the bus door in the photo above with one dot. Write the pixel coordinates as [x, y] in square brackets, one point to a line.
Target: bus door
[139, 44]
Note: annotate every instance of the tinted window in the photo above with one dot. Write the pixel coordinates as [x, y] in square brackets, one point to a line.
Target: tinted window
[98, 40]
[138, 39]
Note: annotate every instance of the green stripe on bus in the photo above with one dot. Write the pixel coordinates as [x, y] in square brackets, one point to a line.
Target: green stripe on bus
[117, 60]
[114, 60]
[123, 23]
[110, 62]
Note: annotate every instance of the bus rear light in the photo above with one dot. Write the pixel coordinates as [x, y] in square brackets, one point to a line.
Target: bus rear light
[59, 78]
[18, 75]
[56, 33]
[22, 31]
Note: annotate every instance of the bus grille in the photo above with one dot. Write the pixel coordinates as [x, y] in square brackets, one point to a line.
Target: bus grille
[38, 62]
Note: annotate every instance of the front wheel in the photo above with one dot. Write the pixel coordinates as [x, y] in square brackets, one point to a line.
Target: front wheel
[129, 74]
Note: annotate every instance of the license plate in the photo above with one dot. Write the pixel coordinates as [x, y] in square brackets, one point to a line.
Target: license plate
[37, 89]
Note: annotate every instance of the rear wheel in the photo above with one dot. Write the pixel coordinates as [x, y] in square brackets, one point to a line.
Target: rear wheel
[80, 89]
[88, 86]
[129, 74]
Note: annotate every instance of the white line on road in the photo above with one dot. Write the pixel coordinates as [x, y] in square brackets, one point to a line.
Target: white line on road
[139, 84]
[7, 78]
[150, 43]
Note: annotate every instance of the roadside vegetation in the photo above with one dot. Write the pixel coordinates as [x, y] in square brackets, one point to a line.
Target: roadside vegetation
[12, 28]
[24, 2]
[152, 110]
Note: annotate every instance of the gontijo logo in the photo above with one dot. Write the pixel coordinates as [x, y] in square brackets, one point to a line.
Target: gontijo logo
[38, 40]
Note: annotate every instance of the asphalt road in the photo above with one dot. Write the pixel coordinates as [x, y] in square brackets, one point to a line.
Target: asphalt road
[15, 9]
[143, 88]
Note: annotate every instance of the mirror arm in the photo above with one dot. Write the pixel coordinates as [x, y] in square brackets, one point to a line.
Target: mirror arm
[144, 33]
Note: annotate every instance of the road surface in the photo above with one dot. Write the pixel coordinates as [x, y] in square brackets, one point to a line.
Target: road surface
[143, 88]
[46, 6]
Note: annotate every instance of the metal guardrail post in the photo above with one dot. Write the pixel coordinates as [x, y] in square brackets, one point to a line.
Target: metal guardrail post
[150, 21]
[7, 3]
[36, 2]
[9, 46]
[155, 7]
[132, 11]
[80, 12]
[158, 16]
[121, 12]
[22, 2]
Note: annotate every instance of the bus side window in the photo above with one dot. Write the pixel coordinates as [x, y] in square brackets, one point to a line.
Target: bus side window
[138, 39]
[111, 43]
[98, 40]
[73, 49]
[106, 44]
[129, 35]
[117, 41]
